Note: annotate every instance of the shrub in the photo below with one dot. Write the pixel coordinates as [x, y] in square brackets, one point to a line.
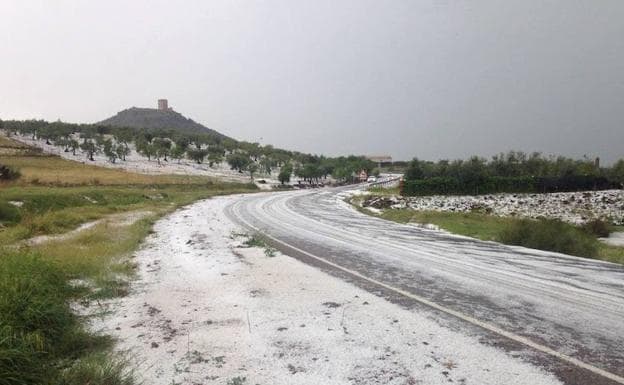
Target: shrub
[597, 227]
[551, 235]
[8, 173]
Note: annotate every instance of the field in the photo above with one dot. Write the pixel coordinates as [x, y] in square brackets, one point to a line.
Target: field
[56, 171]
[67, 234]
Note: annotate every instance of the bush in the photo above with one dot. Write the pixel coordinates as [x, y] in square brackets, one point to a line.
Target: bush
[8, 173]
[551, 235]
[499, 184]
[597, 227]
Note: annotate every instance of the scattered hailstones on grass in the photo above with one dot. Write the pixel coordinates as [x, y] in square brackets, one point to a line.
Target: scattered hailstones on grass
[574, 207]
[426, 226]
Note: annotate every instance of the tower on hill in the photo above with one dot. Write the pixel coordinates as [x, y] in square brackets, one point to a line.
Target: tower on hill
[163, 105]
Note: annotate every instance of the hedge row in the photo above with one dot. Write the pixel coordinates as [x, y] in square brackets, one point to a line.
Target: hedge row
[496, 184]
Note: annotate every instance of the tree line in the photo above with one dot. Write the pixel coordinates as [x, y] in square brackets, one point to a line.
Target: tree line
[165, 145]
[514, 171]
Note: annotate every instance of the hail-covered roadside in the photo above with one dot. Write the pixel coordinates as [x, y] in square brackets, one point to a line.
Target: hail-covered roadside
[568, 308]
[207, 309]
[572, 207]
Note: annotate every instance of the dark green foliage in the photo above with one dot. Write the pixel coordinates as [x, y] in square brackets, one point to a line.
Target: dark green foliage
[617, 172]
[238, 161]
[90, 147]
[551, 235]
[162, 147]
[285, 173]
[197, 154]
[498, 184]
[511, 172]
[178, 152]
[110, 150]
[9, 213]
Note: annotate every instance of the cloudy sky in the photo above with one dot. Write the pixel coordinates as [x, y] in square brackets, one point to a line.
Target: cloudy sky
[427, 78]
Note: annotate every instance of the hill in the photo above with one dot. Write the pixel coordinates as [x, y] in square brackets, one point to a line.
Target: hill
[152, 118]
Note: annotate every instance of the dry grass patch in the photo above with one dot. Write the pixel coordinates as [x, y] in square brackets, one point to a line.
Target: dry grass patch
[10, 143]
[56, 171]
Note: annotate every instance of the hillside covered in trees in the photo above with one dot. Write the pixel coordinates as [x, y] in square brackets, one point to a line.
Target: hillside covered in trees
[161, 144]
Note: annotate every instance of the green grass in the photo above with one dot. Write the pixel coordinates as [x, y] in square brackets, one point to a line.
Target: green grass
[378, 190]
[98, 368]
[550, 234]
[39, 334]
[256, 240]
[610, 253]
[476, 225]
[53, 210]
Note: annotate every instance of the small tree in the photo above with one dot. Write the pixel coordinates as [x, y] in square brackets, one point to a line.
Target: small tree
[145, 148]
[252, 168]
[215, 155]
[197, 154]
[266, 164]
[178, 152]
[110, 150]
[90, 148]
[284, 174]
[162, 147]
[122, 151]
[74, 145]
[238, 161]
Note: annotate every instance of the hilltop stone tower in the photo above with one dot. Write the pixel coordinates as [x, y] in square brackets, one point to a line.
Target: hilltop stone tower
[163, 105]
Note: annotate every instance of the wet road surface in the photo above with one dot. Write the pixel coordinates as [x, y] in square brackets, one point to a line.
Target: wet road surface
[570, 310]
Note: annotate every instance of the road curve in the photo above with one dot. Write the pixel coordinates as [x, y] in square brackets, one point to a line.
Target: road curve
[567, 307]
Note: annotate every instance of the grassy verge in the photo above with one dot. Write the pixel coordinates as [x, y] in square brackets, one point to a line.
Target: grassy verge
[42, 341]
[385, 191]
[544, 234]
[36, 210]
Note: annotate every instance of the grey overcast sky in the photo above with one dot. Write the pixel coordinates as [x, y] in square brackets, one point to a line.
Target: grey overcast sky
[433, 79]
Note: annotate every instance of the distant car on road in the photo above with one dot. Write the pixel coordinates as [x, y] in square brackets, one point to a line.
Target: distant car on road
[371, 179]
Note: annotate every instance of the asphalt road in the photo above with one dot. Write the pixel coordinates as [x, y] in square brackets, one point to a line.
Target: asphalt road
[562, 312]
